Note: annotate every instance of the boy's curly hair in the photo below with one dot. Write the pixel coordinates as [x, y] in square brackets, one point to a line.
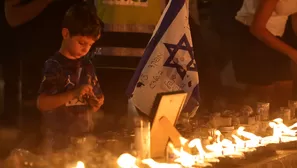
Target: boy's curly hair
[81, 20]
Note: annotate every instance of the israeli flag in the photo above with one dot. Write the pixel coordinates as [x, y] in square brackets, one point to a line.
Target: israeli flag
[168, 62]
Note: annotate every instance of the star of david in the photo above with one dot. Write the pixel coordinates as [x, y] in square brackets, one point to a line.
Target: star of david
[183, 44]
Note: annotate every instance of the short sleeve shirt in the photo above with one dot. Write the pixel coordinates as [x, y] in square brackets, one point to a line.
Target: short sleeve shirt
[60, 75]
[276, 23]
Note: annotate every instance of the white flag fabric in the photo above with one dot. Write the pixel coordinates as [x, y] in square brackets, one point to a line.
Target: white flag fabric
[168, 62]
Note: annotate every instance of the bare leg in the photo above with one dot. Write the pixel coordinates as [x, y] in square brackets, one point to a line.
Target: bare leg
[282, 93]
[261, 92]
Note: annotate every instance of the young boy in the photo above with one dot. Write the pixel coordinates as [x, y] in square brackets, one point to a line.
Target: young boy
[70, 92]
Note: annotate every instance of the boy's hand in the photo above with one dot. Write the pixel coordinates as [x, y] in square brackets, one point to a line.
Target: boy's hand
[96, 103]
[84, 90]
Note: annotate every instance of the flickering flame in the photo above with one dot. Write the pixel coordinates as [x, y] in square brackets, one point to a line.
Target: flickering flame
[223, 147]
[281, 133]
[243, 142]
[127, 161]
[250, 144]
[153, 164]
[80, 164]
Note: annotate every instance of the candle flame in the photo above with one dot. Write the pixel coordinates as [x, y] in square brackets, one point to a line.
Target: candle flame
[243, 141]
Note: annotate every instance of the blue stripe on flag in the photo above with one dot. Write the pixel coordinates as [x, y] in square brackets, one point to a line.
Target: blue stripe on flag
[171, 13]
[195, 96]
[196, 93]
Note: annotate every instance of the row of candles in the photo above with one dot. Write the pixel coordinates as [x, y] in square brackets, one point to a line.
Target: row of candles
[243, 142]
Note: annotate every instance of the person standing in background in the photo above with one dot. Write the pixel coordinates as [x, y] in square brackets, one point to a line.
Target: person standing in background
[224, 26]
[264, 60]
[291, 39]
[37, 28]
[10, 73]
[209, 79]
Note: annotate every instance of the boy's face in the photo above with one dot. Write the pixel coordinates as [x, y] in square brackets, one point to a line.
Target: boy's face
[77, 46]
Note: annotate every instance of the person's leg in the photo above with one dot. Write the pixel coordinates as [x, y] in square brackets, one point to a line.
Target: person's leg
[282, 93]
[279, 91]
[254, 66]
[261, 92]
[209, 78]
[290, 38]
[283, 81]
[294, 84]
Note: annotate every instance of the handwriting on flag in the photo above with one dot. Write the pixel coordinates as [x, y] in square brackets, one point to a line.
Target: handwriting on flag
[138, 3]
[181, 63]
[168, 62]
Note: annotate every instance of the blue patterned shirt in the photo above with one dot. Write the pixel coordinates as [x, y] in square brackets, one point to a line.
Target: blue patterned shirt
[60, 75]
